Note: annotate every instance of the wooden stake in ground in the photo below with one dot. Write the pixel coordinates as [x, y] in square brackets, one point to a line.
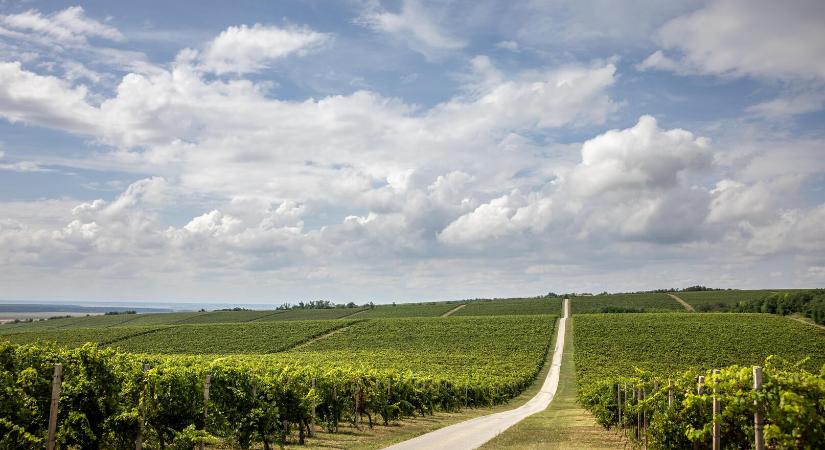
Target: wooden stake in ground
[314, 408]
[644, 415]
[141, 417]
[758, 425]
[206, 383]
[357, 404]
[669, 393]
[637, 395]
[57, 382]
[625, 402]
[619, 400]
[700, 386]
[717, 437]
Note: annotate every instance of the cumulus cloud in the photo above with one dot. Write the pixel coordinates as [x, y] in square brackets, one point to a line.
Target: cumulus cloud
[640, 158]
[734, 201]
[762, 39]
[210, 131]
[244, 49]
[44, 100]
[630, 183]
[794, 230]
[371, 190]
[500, 217]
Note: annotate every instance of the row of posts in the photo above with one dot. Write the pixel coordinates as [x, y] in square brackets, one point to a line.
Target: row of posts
[641, 416]
[57, 383]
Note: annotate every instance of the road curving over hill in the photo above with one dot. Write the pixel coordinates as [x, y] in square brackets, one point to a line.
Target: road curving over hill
[475, 432]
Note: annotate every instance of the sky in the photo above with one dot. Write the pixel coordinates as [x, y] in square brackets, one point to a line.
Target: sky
[365, 150]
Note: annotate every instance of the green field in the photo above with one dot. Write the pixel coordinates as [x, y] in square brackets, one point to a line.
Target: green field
[719, 300]
[512, 306]
[227, 338]
[313, 314]
[612, 345]
[501, 349]
[74, 337]
[263, 337]
[617, 303]
[434, 309]
[506, 349]
[232, 317]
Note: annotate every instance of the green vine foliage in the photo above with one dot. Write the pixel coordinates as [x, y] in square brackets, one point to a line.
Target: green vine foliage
[792, 402]
[105, 393]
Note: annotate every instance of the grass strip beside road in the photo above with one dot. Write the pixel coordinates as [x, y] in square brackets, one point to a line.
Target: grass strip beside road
[564, 424]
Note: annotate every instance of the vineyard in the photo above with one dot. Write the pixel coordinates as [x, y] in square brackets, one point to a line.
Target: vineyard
[620, 303]
[719, 300]
[519, 306]
[379, 369]
[630, 359]
[259, 379]
[612, 345]
[415, 310]
[263, 337]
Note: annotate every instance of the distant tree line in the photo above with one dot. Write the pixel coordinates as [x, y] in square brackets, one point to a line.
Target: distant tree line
[697, 288]
[322, 304]
[811, 304]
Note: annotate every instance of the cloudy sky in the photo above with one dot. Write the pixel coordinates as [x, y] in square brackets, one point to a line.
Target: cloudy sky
[408, 150]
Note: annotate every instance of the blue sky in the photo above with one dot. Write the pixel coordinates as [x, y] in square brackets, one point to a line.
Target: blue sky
[408, 150]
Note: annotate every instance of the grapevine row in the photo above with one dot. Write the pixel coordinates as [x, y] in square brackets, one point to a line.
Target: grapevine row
[111, 399]
[679, 413]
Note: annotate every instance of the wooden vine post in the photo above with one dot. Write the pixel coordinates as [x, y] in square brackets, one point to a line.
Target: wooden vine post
[700, 386]
[717, 437]
[644, 415]
[637, 398]
[314, 409]
[669, 393]
[625, 403]
[206, 383]
[619, 401]
[357, 404]
[57, 382]
[335, 406]
[141, 416]
[758, 424]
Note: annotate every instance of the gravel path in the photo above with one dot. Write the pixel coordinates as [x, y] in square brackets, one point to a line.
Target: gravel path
[473, 433]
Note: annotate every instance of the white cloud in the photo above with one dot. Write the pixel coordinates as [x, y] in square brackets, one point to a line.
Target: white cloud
[734, 201]
[636, 159]
[243, 49]
[209, 132]
[794, 230]
[414, 25]
[658, 60]
[44, 100]
[508, 45]
[21, 166]
[789, 105]
[68, 27]
[499, 218]
[361, 189]
[757, 38]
